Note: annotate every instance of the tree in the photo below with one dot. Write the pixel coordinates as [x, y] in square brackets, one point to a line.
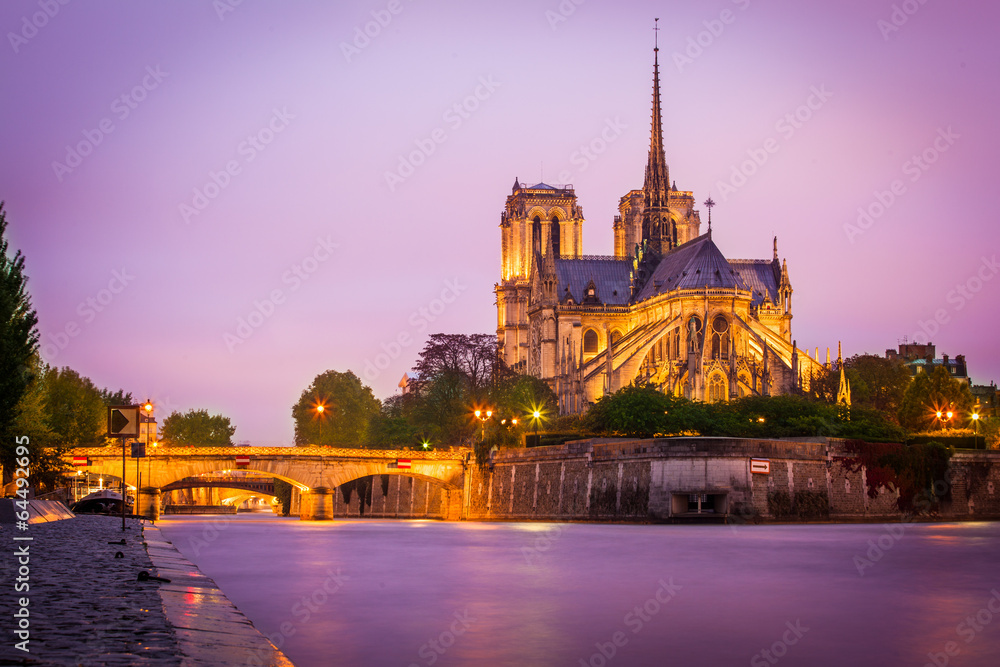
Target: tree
[47, 465]
[336, 409]
[877, 383]
[391, 427]
[930, 393]
[198, 428]
[638, 410]
[74, 409]
[18, 344]
[455, 374]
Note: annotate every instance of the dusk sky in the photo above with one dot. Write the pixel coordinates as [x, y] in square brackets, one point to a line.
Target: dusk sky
[218, 202]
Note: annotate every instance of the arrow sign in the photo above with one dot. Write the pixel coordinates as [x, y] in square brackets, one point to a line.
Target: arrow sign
[123, 421]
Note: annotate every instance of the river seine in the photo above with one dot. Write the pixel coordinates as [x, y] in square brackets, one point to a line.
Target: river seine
[384, 592]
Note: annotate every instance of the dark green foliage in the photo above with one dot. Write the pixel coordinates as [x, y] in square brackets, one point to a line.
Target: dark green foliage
[74, 409]
[18, 344]
[876, 383]
[455, 375]
[283, 492]
[199, 429]
[639, 410]
[930, 392]
[349, 407]
[643, 411]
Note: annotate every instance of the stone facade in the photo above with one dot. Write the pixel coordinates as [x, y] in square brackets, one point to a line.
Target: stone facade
[667, 307]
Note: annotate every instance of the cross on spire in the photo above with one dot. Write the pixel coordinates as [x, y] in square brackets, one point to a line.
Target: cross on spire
[709, 203]
[656, 30]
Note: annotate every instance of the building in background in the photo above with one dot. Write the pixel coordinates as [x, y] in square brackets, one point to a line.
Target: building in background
[920, 358]
[667, 307]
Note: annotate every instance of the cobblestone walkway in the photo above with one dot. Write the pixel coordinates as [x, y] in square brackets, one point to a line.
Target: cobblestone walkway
[86, 606]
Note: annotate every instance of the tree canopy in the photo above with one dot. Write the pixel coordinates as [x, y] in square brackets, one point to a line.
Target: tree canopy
[930, 393]
[336, 409]
[877, 383]
[18, 344]
[197, 428]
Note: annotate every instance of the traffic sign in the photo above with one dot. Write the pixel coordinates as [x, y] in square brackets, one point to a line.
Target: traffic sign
[760, 466]
[123, 421]
[138, 450]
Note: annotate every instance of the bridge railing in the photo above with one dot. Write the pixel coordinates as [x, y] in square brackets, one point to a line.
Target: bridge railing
[451, 454]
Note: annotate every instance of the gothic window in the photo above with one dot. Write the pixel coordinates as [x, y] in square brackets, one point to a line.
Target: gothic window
[536, 234]
[716, 389]
[720, 338]
[677, 342]
[555, 236]
[590, 342]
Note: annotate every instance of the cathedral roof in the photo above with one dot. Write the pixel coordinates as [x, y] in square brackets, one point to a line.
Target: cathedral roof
[610, 276]
[695, 265]
[760, 277]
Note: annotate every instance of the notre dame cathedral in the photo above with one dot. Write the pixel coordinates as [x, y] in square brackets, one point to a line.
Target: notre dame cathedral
[668, 308]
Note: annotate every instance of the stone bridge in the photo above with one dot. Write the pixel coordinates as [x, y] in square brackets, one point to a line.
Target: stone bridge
[313, 471]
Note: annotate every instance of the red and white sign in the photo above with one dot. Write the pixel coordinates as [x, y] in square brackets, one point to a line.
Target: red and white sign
[760, 466]
[81, 461]
[242, 460]
[403, 463]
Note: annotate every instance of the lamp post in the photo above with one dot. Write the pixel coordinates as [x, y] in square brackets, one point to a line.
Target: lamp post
[320, 409]
[483, 415]
[536, 415]
[975, 422]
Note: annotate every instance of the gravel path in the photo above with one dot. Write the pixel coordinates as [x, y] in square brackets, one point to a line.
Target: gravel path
[86, 607]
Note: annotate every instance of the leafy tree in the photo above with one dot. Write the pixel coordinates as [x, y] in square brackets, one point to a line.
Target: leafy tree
[348, 408]
[283, 492]
[932, 392]
[47, 466]
[391, 428]
[455, 375]
[641, 410]
[470, 359]
[120, 397]
[74, 409]
[198, 428]
[877, 383]
[18, 344]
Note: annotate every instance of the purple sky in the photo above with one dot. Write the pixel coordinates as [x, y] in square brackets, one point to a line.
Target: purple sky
[169, 285]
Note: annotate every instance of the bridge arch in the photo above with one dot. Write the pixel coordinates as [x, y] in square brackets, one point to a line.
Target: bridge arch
[313, 470]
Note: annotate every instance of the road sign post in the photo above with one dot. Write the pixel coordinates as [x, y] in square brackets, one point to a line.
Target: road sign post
[123, 423]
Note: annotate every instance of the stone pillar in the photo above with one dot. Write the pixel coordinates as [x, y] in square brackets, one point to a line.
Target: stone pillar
[317, 504]
[149, 502]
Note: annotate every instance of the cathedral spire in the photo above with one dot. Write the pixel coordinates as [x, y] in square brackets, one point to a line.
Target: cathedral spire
[657, 184]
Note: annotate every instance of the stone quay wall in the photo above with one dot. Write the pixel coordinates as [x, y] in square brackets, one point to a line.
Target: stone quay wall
[708, 478]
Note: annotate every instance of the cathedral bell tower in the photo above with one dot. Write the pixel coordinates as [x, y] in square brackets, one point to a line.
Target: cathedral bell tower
[538, 221]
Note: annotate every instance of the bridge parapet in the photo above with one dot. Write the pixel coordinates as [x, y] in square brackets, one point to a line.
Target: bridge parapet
[454, 453]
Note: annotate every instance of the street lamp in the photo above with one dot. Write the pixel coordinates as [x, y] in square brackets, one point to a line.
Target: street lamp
[320, 408]
[483, 415]
[535, 416]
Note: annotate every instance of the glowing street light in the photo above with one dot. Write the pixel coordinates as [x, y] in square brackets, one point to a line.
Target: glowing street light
[536, 415]
[320, 408]
[483, 415]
